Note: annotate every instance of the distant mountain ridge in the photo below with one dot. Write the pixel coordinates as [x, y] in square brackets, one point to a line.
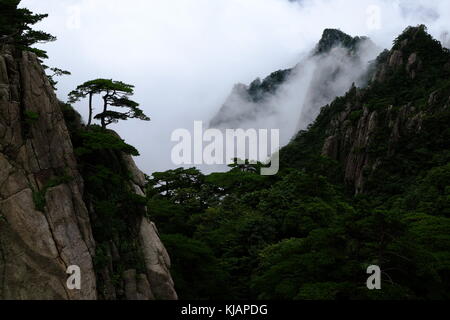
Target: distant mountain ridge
[400, 120]
[332, 38]
[290, 99]
[367, 183]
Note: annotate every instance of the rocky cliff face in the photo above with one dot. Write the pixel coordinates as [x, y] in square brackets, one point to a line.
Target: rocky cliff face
[45, 221]
[38, 244]
[378, 137]
[374, 126]
[350, 141]
[147, 279]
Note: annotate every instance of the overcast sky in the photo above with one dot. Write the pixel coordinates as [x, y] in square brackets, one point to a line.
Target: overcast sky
[184, 56]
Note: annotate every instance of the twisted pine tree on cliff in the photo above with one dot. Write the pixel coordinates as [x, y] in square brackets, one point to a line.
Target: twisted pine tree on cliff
[114, 94]
[16, 30]
[16, 27]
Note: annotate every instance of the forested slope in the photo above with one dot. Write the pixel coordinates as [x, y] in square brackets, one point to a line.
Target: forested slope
[368, 183]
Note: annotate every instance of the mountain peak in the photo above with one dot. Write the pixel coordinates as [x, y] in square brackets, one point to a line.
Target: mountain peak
[411, 33]
[334, 37]
[414, 51]
[417, 38]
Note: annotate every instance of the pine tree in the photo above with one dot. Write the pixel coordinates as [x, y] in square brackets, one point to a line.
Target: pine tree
[114, 94]
[16, 27]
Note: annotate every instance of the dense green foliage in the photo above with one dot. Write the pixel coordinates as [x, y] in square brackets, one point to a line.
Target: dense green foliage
[16, 30]
[304, 234]
[116, 210]
[299, 237]
[16, 27]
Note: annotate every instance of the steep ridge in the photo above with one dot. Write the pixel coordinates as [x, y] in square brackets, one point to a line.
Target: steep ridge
[130, 261]
[45, 219]
[328, 71]
[36, 158]
[373, 131]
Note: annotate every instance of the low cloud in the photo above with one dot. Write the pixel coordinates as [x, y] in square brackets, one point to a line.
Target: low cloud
[184, 56]
[311, 84]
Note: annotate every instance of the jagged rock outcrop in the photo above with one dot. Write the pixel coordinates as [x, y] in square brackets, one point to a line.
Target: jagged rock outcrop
[45, 219]
[349, 142]
[366, 135]
[329, 70]
[248, 103]
[332, 38]
[376, 122]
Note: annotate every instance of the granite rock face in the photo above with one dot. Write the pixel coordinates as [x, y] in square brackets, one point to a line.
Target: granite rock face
[348, 143]
[353, 132]
[157, 262]
[38, 241]
[45, 224]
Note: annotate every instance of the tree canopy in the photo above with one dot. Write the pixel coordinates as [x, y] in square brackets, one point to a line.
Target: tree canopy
[305, 233]
[16, 27]
[115, 94]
